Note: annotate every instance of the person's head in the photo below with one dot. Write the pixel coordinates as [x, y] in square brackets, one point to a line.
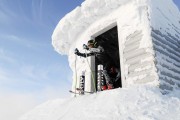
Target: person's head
[91, 43]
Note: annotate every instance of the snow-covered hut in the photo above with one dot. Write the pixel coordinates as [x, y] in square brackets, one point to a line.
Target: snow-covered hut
[146, 34]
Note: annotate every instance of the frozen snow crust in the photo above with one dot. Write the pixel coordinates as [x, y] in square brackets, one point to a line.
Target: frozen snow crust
[135, 103]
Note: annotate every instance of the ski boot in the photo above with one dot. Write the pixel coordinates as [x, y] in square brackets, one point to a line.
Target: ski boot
[110, 86]
[104, 87]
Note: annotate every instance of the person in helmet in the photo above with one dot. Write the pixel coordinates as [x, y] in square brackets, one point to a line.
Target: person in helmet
[103, 58]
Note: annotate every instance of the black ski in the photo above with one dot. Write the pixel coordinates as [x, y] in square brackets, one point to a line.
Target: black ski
[72, 92]
[78, 89]
[79, 93]
[82, 83]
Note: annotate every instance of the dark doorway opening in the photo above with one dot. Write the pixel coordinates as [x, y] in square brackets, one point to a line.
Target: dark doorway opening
[109, 41]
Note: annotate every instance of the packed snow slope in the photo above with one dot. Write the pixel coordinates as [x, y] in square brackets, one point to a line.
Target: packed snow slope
[135, 103]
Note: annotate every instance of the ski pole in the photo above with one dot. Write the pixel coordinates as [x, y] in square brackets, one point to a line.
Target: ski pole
[75, 75]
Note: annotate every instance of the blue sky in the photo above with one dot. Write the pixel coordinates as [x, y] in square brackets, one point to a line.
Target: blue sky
[30, 69]
[28, 62]
[177, 2]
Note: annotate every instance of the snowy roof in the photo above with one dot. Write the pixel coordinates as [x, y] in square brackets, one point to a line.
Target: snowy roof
[77, 21]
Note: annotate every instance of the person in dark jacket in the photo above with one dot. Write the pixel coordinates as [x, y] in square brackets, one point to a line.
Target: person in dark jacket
[101, 54]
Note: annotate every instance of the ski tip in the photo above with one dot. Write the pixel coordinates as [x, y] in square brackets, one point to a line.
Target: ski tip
[73, 92]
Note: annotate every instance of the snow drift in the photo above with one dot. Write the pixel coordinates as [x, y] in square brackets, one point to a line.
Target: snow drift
[135, 103]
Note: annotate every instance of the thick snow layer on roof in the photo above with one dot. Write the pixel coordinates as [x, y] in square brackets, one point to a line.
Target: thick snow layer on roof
[77, 21]
[72, 26]
[135, 103]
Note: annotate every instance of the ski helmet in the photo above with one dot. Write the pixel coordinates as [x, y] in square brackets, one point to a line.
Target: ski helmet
[92, 42]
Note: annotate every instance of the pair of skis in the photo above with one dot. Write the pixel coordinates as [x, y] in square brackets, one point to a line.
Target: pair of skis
[100, 82]
[80, 91]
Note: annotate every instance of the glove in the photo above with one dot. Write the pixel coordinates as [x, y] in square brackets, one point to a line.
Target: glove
[85, 47]
[76, 51]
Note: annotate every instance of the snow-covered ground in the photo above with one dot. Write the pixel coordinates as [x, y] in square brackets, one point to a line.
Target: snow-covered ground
[135, 103]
